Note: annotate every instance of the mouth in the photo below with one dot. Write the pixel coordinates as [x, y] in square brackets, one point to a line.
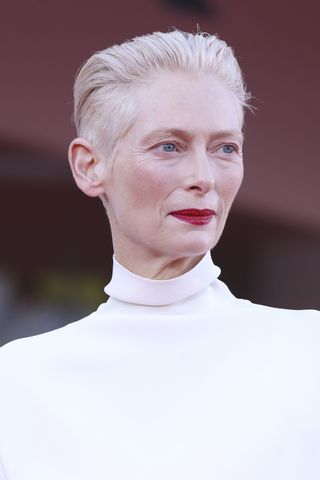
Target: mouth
[194, 215]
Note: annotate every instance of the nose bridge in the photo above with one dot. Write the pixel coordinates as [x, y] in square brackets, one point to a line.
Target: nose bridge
[202, 175]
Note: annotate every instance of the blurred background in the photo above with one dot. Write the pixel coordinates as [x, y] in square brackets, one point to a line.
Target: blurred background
[56, 251]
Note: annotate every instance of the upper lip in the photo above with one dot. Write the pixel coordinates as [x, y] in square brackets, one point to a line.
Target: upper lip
[194, 212]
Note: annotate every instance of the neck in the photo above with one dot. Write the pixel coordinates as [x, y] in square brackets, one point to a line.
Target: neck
[157, 268]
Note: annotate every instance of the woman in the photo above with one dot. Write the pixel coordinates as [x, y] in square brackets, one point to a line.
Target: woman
[173, 377]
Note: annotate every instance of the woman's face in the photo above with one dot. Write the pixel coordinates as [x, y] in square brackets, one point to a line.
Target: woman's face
[177, 170]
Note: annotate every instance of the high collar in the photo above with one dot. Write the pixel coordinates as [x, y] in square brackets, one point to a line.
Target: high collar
[129, 287]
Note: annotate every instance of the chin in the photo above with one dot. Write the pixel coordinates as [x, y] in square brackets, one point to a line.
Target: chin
[194, 248]
[203, 242]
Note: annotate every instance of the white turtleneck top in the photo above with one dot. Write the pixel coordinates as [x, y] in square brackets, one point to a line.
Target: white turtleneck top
[168, 380]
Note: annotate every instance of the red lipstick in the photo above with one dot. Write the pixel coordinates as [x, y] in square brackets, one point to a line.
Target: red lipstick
[194, 215]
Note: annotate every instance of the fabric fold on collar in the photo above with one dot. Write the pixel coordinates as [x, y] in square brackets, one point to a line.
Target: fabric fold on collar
[129, 287]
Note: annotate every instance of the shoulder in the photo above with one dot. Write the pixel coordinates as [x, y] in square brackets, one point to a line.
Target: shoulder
[247, 309]
[41, 352]
[305, 319]
[311, 317]
[287, 327]
[290, 330]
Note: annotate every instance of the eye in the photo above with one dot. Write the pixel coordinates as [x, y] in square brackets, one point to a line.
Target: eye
[229, 149]
[168, 147]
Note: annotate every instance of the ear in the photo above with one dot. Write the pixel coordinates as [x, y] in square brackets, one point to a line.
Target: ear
[88, 167]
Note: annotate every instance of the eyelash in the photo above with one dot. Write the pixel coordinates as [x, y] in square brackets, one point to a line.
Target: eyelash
[235, 148]
[162, 145]
[168, 143]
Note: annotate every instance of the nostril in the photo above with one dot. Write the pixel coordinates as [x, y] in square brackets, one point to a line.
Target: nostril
[202, 186]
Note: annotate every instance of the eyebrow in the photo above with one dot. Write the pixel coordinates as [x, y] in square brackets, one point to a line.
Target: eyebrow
[176, 132]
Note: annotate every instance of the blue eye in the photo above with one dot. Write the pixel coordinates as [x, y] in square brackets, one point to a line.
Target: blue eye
[228, 149]
[168, 147]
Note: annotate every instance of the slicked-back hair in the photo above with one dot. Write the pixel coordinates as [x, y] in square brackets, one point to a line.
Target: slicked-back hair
[104, 102]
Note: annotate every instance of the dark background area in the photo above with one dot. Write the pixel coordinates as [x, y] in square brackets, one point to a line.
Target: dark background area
[56, 251]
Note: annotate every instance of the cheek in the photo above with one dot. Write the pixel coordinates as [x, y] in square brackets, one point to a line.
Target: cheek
[231, 184]
[149, 185]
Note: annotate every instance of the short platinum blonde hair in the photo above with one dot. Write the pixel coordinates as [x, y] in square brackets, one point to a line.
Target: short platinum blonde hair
[104, 103]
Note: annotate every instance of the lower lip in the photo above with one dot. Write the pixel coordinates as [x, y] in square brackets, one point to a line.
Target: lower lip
[194, 220]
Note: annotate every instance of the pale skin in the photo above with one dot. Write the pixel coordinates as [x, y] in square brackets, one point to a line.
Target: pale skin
[184, 151]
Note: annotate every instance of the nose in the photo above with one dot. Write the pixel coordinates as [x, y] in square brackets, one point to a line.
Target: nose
[201, 172]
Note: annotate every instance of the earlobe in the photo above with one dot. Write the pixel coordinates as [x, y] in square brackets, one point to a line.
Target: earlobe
[87, 167]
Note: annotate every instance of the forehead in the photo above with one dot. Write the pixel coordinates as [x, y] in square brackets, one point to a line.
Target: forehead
[179, 100]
